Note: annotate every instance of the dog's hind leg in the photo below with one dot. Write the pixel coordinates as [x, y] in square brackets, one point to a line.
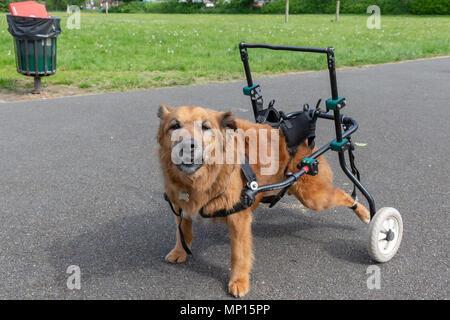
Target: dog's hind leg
[317, 192]
[239, 226]
[178, 254]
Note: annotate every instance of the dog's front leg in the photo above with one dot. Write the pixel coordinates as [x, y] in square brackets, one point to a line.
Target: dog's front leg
[239, 226]
[178, 254]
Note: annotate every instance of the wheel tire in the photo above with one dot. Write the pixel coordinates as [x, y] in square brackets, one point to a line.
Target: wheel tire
[388, 222]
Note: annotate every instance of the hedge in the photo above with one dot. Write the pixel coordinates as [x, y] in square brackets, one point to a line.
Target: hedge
[329, 6]
[295, 7]
[429, 6]
[278, 6]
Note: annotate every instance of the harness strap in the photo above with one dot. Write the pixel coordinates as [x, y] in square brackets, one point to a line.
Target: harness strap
[248, 172]
[183, 241]
[245, 202]
[353, 167]
[355, 205]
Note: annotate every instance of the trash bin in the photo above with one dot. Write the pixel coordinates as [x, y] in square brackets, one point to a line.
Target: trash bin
[34, 44]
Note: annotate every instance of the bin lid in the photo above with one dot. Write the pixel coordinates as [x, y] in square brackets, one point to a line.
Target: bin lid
[28, 9]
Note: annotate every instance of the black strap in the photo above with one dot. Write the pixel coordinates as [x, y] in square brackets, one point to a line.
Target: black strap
[183, 241]
[248, 171]
[354, 206]
[353, 167]
[245, 202]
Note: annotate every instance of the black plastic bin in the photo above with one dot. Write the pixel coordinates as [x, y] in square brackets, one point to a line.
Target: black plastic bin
[35, 45]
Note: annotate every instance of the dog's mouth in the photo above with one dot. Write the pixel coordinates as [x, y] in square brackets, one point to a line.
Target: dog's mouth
[188, 156]
[189, 168]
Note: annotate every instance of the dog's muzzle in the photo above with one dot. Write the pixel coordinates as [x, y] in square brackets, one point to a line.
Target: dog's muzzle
[188, 156]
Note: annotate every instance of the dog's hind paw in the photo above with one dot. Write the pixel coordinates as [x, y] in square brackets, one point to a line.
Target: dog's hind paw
[239, 287]
[176, 256]
[363, 214]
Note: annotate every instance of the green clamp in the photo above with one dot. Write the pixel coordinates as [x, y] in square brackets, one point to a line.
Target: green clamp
[311, 164]
[248, 90]
[337, 104]
[340, 146]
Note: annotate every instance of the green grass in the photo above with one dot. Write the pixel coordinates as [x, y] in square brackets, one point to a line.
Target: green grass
[132, 51]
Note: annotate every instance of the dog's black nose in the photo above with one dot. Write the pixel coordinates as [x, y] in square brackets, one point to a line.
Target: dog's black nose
[190, 152]
[190, 156]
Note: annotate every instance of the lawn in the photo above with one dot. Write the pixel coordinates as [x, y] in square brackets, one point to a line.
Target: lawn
[134, 51]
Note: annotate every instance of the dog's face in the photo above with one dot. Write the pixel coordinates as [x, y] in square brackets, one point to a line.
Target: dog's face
[189, 138]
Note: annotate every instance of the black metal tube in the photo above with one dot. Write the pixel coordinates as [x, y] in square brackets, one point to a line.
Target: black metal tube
[44, 43]
[358, 184]
[285, 48]
[19, 55]
[36, 60]
[248, 75]
[332, 72]
[296, 175]
[26, 58]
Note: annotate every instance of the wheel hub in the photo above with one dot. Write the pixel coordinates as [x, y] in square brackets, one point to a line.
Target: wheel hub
[390, 235]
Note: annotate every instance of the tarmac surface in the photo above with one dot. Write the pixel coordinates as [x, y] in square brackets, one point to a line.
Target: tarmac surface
[80, 185]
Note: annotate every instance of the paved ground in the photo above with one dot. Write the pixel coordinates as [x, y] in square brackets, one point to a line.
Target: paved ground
[80, 185]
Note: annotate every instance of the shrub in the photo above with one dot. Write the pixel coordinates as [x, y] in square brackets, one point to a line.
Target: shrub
[329, 6]
[295, 6]
[429, 6]
[4, 5]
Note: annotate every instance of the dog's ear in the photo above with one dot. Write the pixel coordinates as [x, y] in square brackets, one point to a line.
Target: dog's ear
[227, 120]
[163, 110]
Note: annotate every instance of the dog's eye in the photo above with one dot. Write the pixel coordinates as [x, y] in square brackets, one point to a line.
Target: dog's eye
[205, 127]
[175, 126]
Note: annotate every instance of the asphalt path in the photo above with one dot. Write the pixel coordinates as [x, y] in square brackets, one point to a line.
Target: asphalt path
[80, 185]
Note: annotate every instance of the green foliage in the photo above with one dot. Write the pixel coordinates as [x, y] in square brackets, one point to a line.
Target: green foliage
[4, 5]
[429, 6]
[295, 7]
[329, 6]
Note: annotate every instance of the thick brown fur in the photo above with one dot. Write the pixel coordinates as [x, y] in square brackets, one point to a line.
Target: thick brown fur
[219, 186]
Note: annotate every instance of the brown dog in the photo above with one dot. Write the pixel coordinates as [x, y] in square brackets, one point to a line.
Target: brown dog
[200, 183]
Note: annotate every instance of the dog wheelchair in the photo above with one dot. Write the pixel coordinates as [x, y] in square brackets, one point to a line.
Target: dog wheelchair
[386, 226]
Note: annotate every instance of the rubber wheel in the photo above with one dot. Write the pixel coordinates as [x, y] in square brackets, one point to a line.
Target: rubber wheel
[385, 234]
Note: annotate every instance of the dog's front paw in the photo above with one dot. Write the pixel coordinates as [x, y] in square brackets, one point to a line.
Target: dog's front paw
[239, 287]
[176, 256]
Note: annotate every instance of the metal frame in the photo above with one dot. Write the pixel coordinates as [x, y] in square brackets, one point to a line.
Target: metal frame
[350, 125]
